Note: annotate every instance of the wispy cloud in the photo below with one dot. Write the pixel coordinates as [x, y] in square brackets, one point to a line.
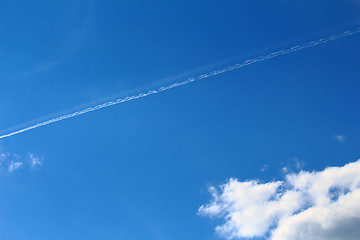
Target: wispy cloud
[74, 40]
[47, 66]
[185, 82]
[340, 138]
[320, 205]
[14, 166]
[264, 168]
[11, 162]
[294, 165]
[35, 160]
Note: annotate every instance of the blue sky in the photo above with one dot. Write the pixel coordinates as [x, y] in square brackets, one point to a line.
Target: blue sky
[142, 169]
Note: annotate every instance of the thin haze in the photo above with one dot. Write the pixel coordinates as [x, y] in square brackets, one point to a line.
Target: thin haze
[161, 89]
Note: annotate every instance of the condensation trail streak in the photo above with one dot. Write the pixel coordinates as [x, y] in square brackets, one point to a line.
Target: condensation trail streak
[161, 89]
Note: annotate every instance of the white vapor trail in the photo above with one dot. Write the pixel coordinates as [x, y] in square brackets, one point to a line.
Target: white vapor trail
[161, 89]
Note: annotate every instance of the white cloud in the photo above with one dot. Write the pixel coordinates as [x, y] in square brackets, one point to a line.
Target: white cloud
[306, 205]
[337, 221]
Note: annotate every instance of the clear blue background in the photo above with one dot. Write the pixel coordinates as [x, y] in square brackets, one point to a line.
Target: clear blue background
[140, 170]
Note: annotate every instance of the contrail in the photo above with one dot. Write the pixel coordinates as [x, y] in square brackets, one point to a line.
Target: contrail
[161, 89]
